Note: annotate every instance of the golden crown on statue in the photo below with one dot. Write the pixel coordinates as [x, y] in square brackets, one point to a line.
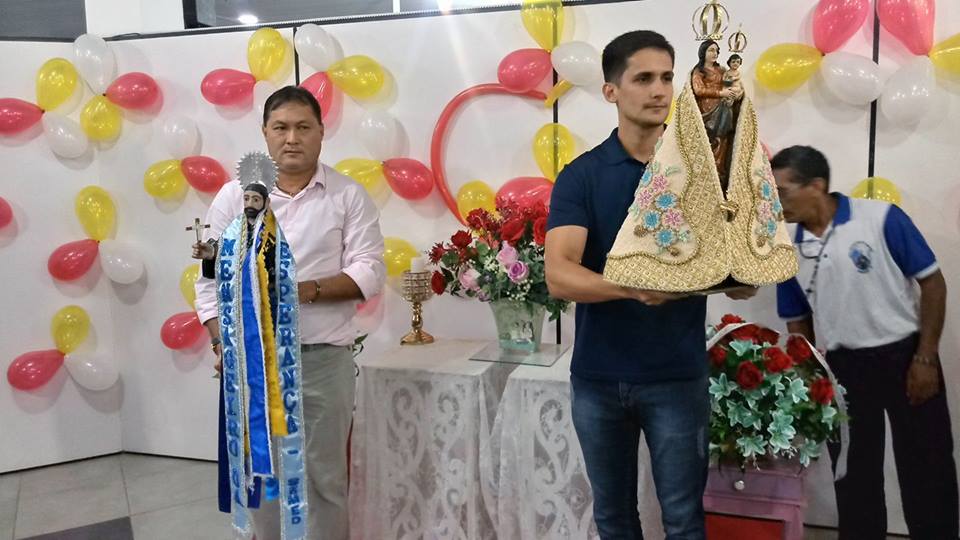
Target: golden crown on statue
[738, 41]
[710, 21]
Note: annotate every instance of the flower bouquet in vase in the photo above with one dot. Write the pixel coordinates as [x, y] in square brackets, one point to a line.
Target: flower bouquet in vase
[773, 408]
[500, 260]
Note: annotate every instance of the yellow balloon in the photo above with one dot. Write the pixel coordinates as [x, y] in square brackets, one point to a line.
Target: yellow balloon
[165, 180]
[70, 327]
[56, 82]
[358, 76]
[473, 195]
[543, 20]
[366, 172]
[96, 212]
[266, 53]
[946, 54]
[553, 148]
[397, 253]
[878, 189]
[786, 66]
[187, 279]
[101, 119]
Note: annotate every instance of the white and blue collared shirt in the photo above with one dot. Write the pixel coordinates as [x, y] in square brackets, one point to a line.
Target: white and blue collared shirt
[857, 281]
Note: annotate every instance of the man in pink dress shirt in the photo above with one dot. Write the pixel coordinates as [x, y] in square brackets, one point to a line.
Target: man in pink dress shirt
[333, 229]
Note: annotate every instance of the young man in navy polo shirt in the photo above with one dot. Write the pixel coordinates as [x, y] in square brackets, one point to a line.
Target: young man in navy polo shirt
[639, 360]
[860, 263]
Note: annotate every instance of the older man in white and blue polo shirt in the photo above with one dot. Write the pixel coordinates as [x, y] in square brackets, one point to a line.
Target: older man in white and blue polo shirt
[860, 264]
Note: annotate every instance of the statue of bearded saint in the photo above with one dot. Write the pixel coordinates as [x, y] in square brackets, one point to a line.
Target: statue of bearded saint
[718, 93]
[255, 202]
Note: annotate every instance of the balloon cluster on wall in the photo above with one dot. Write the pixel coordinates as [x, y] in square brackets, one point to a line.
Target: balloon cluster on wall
[905, 97]
[59, 91]
[97, 215]
[70, 327]
[183, 330]
[520, 73]
[168, 179]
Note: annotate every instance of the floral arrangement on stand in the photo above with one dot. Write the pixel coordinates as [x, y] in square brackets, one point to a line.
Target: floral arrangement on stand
[500, 260]
[768, 401]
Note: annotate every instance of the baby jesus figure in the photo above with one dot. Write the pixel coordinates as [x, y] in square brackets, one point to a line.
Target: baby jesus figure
[731, 79]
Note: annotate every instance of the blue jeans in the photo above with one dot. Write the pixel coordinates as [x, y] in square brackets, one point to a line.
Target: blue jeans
[674, 415]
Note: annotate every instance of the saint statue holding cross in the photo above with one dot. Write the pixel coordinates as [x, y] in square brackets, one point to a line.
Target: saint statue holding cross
[261, 417]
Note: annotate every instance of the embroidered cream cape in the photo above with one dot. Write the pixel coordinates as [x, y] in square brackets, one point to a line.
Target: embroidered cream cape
[682, 234]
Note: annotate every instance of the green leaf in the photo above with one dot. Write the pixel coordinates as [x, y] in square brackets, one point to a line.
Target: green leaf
[742, 347]
[671, 170]
[797, 390]
[751, 446]
[721, 386]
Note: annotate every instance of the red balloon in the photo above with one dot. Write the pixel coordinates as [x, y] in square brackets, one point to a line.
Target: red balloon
[72, 260]
[6, 213]
[836, 21]
[526, 190]
[181, 330]
[910, 21]
[523, 69]
[134, 91]
[204, 173]
[408, 178]
[440, 132]
[17, 115]
[322, 88]
[227, 87]
[34, 369]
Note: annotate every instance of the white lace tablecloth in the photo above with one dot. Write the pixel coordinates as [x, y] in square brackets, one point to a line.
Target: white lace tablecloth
[448, 448]
[422, 412]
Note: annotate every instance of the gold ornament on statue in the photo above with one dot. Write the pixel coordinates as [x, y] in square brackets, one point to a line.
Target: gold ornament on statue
[710, 21]
[416, 290]
[738, 41]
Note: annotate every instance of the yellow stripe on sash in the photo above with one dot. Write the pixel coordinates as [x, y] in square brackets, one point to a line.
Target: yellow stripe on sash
[278, 422]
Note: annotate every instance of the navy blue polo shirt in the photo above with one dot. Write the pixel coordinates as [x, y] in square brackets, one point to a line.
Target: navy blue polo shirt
[622, 340]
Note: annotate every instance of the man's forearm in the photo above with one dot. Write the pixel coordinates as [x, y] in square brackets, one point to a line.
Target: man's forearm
[933, 306]
[570, 281]
[338, 288]
[213, 328]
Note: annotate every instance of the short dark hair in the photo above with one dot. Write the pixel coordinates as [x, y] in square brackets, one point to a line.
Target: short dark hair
[805, 161]
[291, 94]
[618, 51]
[734, 57]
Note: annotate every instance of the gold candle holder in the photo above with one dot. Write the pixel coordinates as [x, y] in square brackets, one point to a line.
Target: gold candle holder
[416, 290]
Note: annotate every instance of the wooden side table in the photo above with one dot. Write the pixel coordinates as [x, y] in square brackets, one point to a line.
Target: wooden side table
[773, 493]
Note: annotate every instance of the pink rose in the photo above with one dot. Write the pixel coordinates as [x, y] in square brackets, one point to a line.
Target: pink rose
[508, 255]
[468, 280]
[518, 272]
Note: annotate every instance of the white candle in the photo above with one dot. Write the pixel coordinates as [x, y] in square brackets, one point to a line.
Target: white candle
[418, 264]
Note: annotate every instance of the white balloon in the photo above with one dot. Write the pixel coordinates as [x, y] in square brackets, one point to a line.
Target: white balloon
[95, 62]
[853, 78]
[180, 136]
[64, 136]
[380, 134]
[121, 263]
[909, 92]
[95, 373]
[577, 62]
[316, 47]
[261, 91]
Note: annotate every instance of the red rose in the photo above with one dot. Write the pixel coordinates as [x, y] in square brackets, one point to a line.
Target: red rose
[746, 333]
[461, 239]
[821, 391]
[775, 360]
[540, 230]
[436, 253]
[799, 349]
[748, 376]
[437, 283]
[718, 355]
[512, 231]
[729, 319]
[766, 335]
